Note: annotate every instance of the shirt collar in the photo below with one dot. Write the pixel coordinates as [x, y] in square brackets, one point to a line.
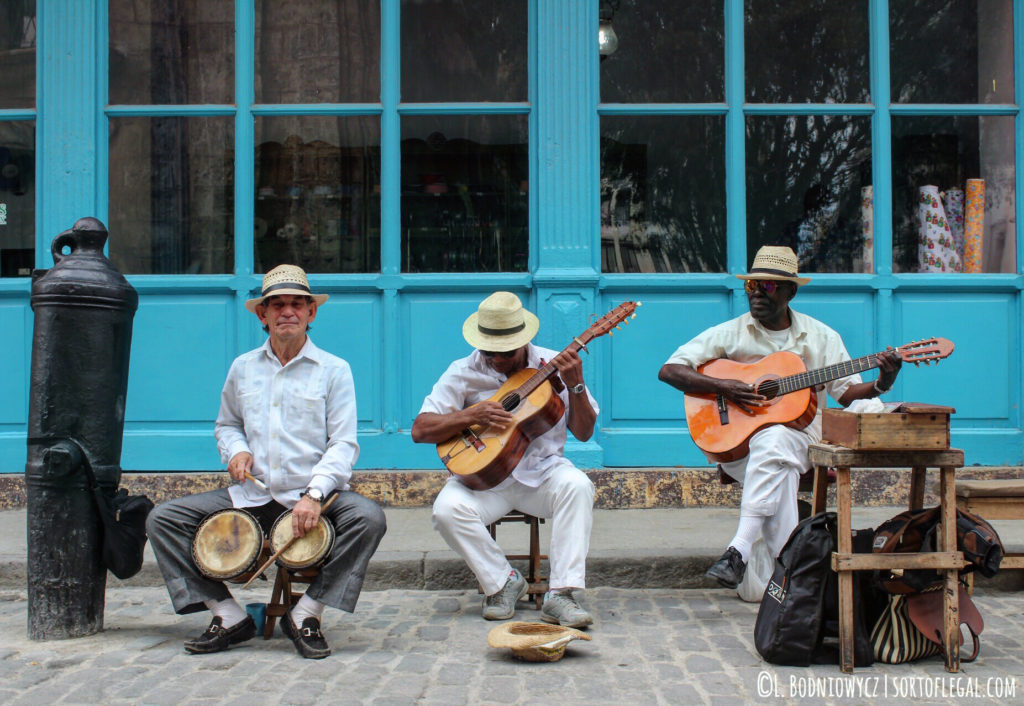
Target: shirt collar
[309, 350]
[797, 328]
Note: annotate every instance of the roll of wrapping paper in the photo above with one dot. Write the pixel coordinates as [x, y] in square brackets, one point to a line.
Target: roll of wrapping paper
[867, 227]
[935, 251]
[974, 224]
[953, 201]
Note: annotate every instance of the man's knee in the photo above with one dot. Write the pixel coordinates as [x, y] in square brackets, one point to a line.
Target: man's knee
[577, 486]
[450, 509]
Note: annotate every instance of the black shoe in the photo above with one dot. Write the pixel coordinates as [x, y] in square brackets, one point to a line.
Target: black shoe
[308, 640]
[217, 638]
[729, 569]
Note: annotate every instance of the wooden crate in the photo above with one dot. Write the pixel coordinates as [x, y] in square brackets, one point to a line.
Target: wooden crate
[912, 425]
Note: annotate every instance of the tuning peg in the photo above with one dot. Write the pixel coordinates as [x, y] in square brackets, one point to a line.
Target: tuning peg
[633, 316]
[917, 364]
[611, 333]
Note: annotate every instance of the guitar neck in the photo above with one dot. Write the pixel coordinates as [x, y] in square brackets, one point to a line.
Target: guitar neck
[810, 378]
[543, 373]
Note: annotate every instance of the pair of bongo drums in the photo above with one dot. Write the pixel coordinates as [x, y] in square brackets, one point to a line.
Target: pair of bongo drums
[229, 545]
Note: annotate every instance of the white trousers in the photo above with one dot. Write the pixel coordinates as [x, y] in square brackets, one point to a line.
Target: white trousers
[770, 474]
[566, 497]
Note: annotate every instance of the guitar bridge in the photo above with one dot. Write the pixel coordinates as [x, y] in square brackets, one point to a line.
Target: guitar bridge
[471, 439]
[723, 409]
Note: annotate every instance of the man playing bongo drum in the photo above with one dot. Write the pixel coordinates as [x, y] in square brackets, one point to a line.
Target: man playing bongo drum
[287, 418]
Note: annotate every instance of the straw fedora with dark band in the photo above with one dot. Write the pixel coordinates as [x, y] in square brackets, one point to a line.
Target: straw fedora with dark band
[500, 324]
[285, 279]
[775, 262]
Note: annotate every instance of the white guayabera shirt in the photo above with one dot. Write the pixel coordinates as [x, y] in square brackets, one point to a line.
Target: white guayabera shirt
[470, 380]
[298, 421]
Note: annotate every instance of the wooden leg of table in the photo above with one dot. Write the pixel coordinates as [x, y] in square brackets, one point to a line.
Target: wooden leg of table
[845, 546]
[950, 593]
[820, 489]
[918, 476]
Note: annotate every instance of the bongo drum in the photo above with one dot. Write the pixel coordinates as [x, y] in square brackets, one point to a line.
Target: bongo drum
[228, 545]
[309, 550]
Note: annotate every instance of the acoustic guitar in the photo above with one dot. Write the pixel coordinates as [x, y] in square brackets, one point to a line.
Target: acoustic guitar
[481, 456]
[722, 430]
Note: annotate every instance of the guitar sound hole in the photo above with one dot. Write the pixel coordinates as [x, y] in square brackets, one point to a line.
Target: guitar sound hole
[769, 388]
[510, 402]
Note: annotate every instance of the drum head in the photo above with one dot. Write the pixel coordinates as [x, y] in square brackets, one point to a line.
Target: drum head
[226, 544]
[308, 550]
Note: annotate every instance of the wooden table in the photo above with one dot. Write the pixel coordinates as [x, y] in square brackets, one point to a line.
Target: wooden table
[947, 560]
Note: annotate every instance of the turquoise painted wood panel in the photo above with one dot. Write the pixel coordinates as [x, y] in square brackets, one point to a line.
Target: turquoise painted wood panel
[150, 449]
[349, 326]
[662, 324]
[16, 323]
[981, 378]
[181, 351]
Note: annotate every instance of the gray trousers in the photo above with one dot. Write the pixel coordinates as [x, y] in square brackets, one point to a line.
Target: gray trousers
[359, 525]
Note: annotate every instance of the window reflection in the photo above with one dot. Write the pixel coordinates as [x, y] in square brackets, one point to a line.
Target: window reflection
[951, 52]
[18, 54]
[464, 194]
[318, 193]
[17, 198]
[171, 195]
[943, 159]
[464, 50]
[663, 194]
[668, 52]
[317, 51]
[805, 179]
[780, 36]
[172, 52]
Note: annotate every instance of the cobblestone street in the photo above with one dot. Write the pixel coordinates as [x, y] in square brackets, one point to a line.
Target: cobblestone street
[658, 646]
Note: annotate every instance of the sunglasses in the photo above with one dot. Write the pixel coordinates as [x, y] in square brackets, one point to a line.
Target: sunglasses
[765, 285]
[498, 354]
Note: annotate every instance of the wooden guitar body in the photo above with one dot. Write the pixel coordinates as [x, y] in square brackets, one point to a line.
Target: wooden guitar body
[729, 441]
[481, 457]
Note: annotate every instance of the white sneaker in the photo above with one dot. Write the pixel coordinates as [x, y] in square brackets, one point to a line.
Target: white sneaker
[502, 605]
[563, 609]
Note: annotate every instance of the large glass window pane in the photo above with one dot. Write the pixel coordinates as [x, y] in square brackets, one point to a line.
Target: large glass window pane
[464, 193]
[668, 52]
[172, 195]
[17, 198]
[953, 195]
[172, 52]
[663, 194]
[317, 51]
[951, 51]
[463, 50]
[806, 175]
[814, 51]
[318, 193]
[18, 54]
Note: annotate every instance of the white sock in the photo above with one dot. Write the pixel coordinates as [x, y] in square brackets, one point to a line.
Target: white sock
[749, 530]
[228, 610]
[306, 608]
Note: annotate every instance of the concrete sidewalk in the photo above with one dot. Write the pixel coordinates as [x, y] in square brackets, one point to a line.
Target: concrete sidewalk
[649, 548]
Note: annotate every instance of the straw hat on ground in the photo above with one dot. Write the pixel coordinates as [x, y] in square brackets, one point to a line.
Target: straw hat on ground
[285, 279]
[534, 642]
[500, 324]
[775, 262]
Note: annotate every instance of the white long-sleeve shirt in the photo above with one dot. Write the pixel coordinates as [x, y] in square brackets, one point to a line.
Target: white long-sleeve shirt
[298, 421]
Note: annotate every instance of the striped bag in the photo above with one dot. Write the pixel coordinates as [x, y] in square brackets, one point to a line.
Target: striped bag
[896, 639]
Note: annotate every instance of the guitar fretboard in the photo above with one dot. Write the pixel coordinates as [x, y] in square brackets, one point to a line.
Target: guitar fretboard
[810, 378]
[542, 374]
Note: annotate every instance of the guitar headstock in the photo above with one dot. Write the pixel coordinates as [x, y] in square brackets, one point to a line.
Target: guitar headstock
[622, 313]
[925, 351]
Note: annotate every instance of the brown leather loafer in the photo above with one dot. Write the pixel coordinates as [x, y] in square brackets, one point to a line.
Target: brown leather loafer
[308, 640]
[218, 638]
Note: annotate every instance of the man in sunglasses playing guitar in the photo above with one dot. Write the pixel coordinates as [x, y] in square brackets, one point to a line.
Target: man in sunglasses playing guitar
[543, 483]
[777, 454]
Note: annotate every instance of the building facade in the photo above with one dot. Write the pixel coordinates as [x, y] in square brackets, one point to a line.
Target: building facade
[415, 155]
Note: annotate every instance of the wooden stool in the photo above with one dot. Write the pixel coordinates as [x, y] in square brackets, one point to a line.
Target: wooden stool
[947, 560]
[994, 500]
[283, 596]
[536, 585]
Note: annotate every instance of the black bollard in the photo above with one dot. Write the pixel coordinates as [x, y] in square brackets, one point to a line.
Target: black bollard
[80, 347]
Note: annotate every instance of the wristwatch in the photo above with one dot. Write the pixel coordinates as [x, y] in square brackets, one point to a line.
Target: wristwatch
[313, 494]
[578, 389]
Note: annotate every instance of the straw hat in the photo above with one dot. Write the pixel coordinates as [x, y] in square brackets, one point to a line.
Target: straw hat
[500, 324]
[534, 642]
[285, 279]
[775, 262]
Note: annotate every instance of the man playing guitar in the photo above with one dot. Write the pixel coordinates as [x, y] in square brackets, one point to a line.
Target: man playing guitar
[544, 483]
[777, 453]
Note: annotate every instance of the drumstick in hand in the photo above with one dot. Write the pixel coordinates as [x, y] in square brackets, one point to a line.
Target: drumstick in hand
[287, 544]
[254, 479]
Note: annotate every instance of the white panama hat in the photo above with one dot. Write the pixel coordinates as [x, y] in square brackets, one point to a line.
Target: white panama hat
[777, 263]
[284, 279]
[500, 324]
